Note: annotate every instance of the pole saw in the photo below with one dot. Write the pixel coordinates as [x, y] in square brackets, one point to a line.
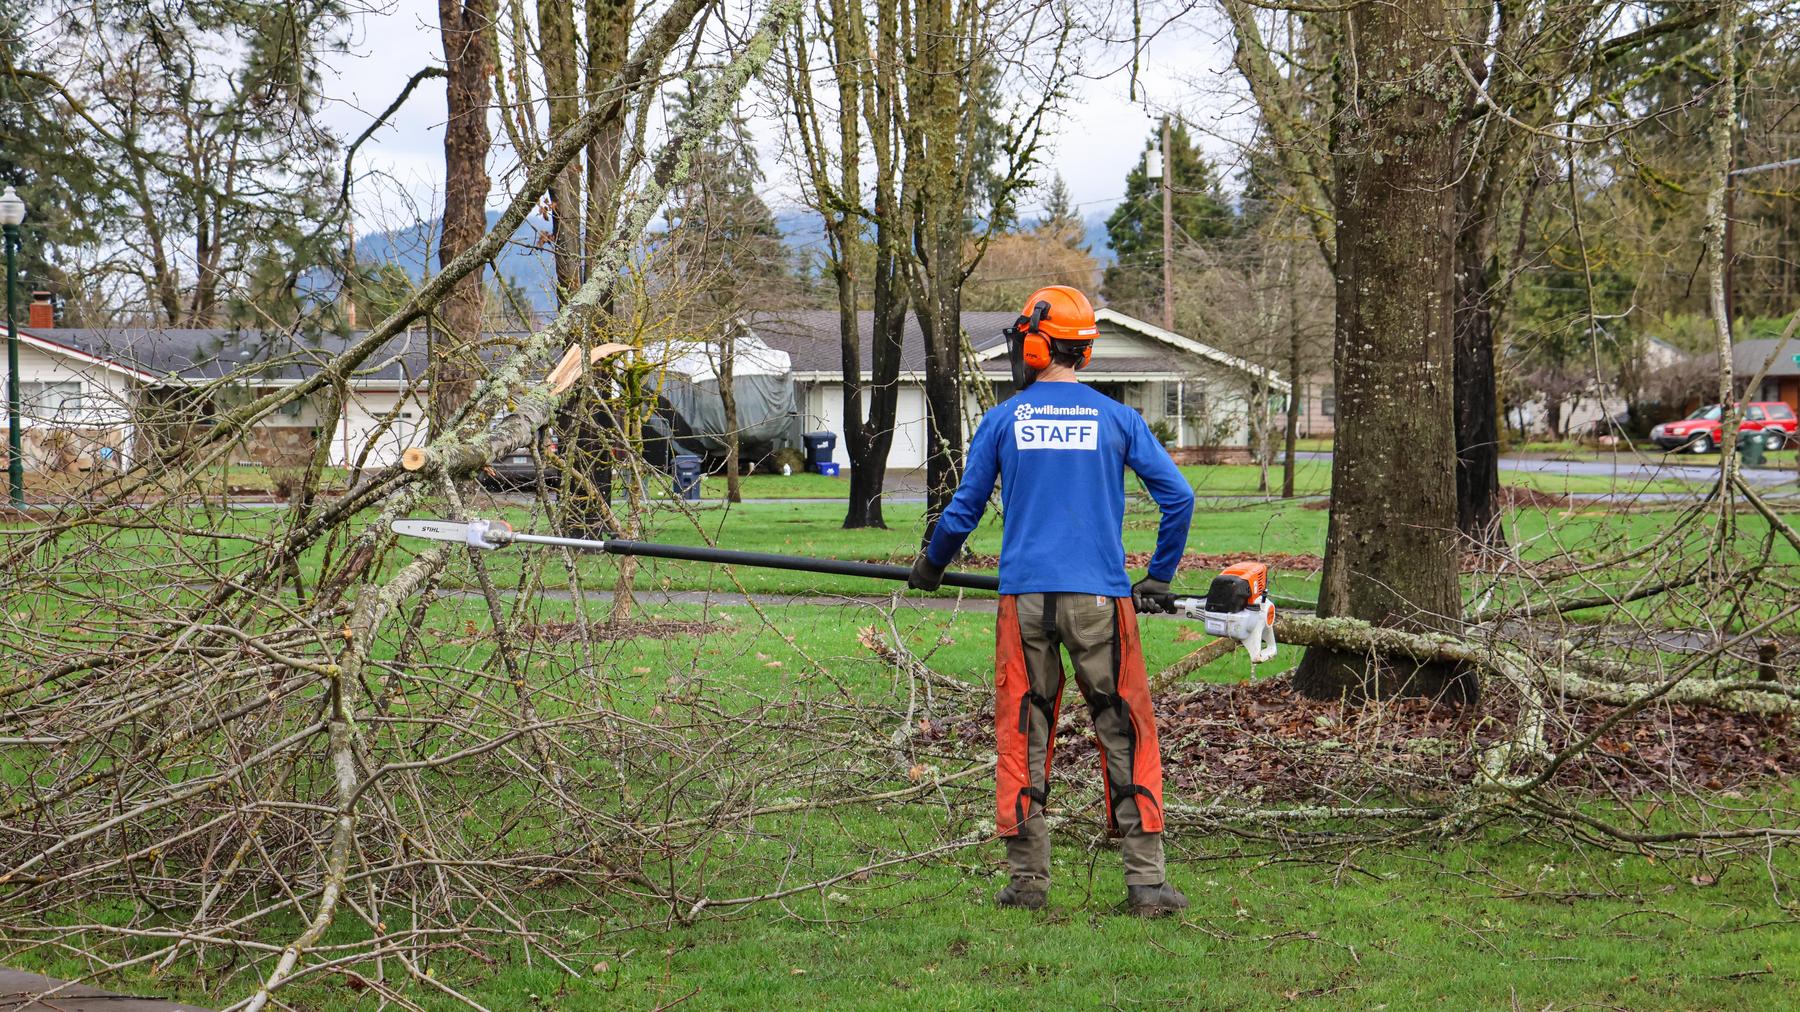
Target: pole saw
[1237, 605]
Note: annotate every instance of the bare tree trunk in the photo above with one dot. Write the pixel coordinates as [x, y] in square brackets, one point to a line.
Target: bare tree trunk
[866, 96]
[728, 399]
[940, 227]
[556, 41]
[588, 433]
[1717, 222]
[1259, 419]
[869, 440]
[1291, 437]
[1391, 546]
[885, 117]
[1477, 425]
[466, 27]
[608, 40]
[940, 319]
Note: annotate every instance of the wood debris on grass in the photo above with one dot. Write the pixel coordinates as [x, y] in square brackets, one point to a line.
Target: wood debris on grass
[1262, 739]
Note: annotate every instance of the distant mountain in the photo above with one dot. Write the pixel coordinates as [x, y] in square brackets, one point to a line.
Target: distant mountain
[1097, 241]
[805, 234]
[525, 261]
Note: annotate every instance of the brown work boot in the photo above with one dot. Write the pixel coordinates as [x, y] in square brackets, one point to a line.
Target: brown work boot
[1154, 901]
[1024, 894]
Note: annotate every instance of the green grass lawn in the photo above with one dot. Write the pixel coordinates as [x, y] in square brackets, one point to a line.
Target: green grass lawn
[1490, 921]
[1311, 477]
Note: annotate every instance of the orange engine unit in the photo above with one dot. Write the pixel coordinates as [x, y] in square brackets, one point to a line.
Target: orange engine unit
[1255, 574]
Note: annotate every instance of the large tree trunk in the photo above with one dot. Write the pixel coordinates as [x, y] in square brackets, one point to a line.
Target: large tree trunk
[1391, 545]
[940, 227]
[869, 441]
[466, 27]
[871, 433]
[1477, 414]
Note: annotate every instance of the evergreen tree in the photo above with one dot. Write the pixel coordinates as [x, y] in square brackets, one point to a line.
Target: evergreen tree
[1135, 228]
[197, 125]
[728, 257]
[39, 156]
[724, 236]
[1060, 217]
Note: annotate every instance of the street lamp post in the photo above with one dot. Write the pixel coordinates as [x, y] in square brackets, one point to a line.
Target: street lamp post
[12, 213]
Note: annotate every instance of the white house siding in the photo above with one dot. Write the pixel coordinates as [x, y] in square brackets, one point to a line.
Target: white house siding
[96, 410]
[361, 423]
[823, 405]
[1214, 405]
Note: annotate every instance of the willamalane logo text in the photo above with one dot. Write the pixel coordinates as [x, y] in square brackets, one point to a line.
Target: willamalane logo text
[1025, 411]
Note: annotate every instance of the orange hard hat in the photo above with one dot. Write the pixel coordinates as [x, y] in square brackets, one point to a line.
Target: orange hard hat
[1071, 315]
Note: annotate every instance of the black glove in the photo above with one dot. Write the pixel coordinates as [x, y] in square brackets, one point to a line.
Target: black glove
[924, 575]
[1151, 596]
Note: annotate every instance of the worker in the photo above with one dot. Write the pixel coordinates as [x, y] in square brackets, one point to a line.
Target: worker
[1060, 450]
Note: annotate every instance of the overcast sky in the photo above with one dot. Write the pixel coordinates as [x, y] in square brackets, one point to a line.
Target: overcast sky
[1099, 134]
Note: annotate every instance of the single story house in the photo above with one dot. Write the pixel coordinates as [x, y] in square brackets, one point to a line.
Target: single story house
[1202, 394]
[97, 397]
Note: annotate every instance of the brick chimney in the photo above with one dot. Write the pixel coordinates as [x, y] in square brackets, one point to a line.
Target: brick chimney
[43, 312]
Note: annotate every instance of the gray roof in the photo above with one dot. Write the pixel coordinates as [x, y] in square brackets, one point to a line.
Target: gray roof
[810, 336]
[198, 355]
[1748, 356]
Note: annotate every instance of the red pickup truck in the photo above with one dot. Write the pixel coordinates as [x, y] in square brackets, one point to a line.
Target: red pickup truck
[1699, 431]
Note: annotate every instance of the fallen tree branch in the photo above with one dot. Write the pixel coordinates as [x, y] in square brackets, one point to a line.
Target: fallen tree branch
[895, 655]
[1510, 662]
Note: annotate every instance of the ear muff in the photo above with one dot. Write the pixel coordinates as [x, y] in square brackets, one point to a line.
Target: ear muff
[1036, 351]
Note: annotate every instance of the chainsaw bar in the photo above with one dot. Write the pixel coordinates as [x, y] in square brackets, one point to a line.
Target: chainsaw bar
[480, 534]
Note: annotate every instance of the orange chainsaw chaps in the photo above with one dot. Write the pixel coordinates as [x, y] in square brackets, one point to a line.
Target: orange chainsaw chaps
[1133, 685]
[1012, 683]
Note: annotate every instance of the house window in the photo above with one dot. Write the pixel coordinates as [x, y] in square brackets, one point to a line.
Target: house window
[1328, 401]
[1183, 401]
[48, 401]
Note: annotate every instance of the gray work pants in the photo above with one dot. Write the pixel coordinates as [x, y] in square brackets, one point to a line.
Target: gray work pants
[1087, 627]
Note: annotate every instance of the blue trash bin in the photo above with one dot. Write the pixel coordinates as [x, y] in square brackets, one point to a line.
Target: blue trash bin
[687, 476]
[819, 448]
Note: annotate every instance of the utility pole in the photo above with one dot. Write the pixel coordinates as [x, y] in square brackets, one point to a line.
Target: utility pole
[1168, 223]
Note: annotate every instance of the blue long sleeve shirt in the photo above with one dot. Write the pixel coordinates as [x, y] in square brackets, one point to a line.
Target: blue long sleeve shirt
[1060, 451]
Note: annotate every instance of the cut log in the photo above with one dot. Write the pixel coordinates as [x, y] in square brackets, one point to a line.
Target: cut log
[1560, 680]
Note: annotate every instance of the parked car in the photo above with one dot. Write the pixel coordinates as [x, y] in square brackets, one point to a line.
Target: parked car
[518, 470]
[1700, 431]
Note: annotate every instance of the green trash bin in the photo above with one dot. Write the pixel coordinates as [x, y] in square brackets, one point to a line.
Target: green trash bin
[1750, 448]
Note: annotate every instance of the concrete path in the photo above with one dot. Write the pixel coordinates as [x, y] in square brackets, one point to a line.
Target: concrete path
[21, 991]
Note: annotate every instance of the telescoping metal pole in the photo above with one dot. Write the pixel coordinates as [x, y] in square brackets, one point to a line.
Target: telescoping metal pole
[1250, 620]
[497, 533]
